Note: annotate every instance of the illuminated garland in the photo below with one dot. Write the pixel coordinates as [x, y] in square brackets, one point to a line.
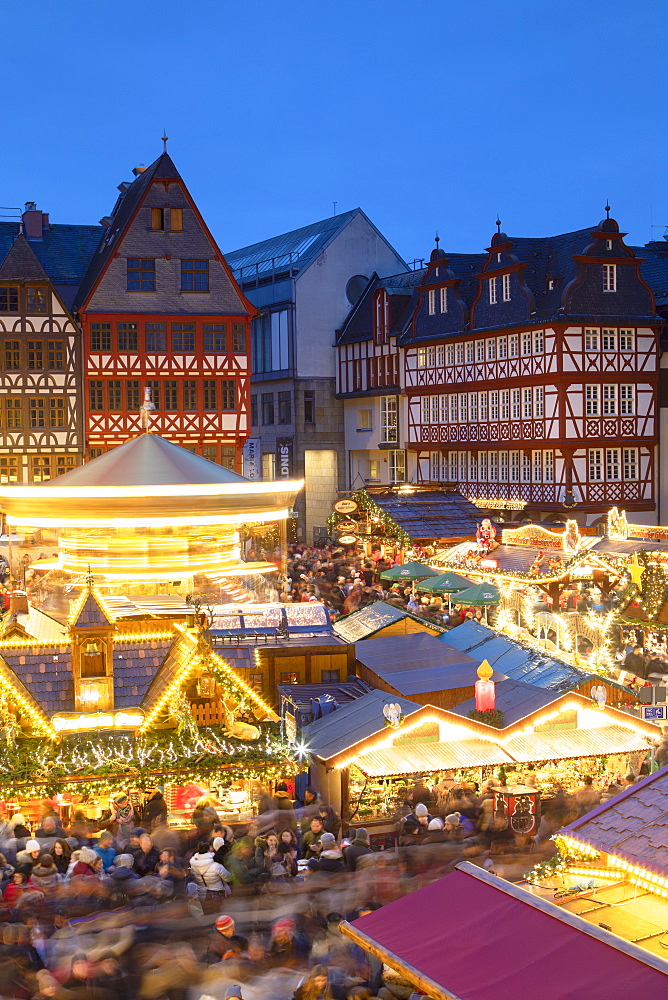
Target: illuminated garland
[368, 506]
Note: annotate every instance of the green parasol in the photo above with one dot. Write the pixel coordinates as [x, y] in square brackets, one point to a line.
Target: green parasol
[409, 571]
[479, 596]
[446, 583]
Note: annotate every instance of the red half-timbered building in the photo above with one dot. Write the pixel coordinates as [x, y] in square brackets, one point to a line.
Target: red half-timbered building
[163, 317]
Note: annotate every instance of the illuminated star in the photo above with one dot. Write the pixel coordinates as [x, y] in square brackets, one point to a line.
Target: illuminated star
[636, 570]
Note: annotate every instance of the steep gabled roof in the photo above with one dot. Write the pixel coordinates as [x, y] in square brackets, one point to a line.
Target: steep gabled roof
[21, 263]
[92, 613]
[365, 622]
[64, 251]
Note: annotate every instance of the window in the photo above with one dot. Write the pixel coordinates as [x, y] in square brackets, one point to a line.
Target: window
[480, 351]
[56, 411]
[444, 300]
[609, 277]
[127, 334]
[630, 463]
[114, 396]
[132, 399]
[440, 356]
[491, 349]
[388, 419]
[254, 410]
[35, 355]
[609, 400]
[156, 337]
[214, 338]
[506, 288]
[431, 296]
[460, 354]
[37, 410]
[595, 457]
[452, 475]
[40, 468]
[228, 392]
[526, 467]
[482, 406]
[453, 408]
[210, 395]
[95, 398]
[190, 395]
[397, 466]
[37, 300]
[330, 676]
[210, 452]
[627, 401]
[269, 465]
[473, 467]
[373, 469]
[228, 457]
[55, 355]
[463, 408]
[612, 464]
[443, 416]
[491, 290]
[100, 336]
[514, 466]
[609, 338]
[171, 401]
[539, 401]
[13, 412]
[157, 218]
[538, 467]
[502, 348]
[538, 342]
[493, 462]
[194, 276]
[267, 407]
[434, 465]
[591, 401]
[482, 466]
[548, 466]
[364, 420]
[95, 453]
[239, 340]
[450, 354]
[434, 409]
[494, 404]
[503, 466]
[309, 406]
[183, 337]
[431, 357]
[422, 357]
[527, 408]
[176, 220]
[12, 356]
[141, 274]
[517, 412]
[154, 386]
[627, 340]
[357, 374]
[469, 352]
[9, 469]
[513, 346]
[284, 407]
[591, 339]
[9, 300]
[526, 345]
[504, 408]
[473, 407]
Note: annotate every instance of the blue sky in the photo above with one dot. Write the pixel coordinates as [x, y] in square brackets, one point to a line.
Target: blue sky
[429, 115]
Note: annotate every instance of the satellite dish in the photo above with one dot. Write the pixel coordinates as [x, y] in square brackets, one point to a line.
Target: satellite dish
[355, 287]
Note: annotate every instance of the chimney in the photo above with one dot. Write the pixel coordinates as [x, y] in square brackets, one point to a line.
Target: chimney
[138, 170]
[32, 221]
[18, 603]
[106, 221]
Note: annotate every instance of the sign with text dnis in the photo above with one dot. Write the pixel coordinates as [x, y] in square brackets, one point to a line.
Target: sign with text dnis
[284, 458]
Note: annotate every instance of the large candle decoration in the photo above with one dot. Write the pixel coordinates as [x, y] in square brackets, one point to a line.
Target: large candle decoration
[485, 693]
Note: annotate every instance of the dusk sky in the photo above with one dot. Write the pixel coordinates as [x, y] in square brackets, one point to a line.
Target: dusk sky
[430, 115]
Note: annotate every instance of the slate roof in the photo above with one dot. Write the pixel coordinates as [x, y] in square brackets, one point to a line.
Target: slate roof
[351, 723]
[92, 614]
[365, 622]
[21, 263]
[515, 699]
[633, 825]
[47, 675]
[300, 695]
[64, 251]
[131, 196]
[416, 664]
[430, 514]
[135, 666]
[358, 325]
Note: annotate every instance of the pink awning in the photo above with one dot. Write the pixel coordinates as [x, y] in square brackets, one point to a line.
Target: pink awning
[472, 936]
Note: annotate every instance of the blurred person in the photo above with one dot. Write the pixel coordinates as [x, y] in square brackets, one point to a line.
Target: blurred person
[51, 827]
[16, 888]
[287, 948]
[105, 850]
[155, 811]
[240, 863]
[330, 858]
[286, 818]
[586, 796]
[222, 844]
[330, 818]
[266, 851]
[86, 865]
[109, 976]
[315, 986]
[204, 814]
[30, 854]
[359, 848]
[45, 876]
[147, 857]
[311, 838]
[122, 818]
[224, 943]
[47, 986]
[123, 875]
[18, 824]
[61, 853]
[211, 878]
[6, 871]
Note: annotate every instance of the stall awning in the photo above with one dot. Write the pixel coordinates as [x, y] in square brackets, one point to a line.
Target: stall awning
[472, 936]
[412, 759]
[567, 743]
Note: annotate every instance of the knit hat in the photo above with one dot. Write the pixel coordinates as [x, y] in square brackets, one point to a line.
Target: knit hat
[105, 835]
[421, 809]
[87, 856]
[32, 845]
[453, 819]
[225, 925]
[436, 823]
[217, 842]
[124, 861]
[18, 819]
[119, 796]
[284, 924]
[362, 835]
[328, 841]
[233, 991]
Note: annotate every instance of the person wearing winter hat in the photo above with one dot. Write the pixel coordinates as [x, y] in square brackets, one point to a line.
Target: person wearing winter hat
[30, 854]
[86, 865]
[436, 823]
[122, 817]
[435, 833]
[105, 850]
[21, 831]
[287, 948]
[233, 991]
[330, 858]
[462, 825]
[224, 942]
[359, 847]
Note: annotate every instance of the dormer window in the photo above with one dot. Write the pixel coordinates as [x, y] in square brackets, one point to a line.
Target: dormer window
[491, 285]
[36, 300]
[609, 244]
[432, 302]
[444, 300]
[498, 258]
[609, 277]
[506, 288]
[9, 299]
[381, 318]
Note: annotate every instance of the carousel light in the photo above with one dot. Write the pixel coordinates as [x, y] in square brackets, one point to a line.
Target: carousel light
[247, 487]
[123, 523]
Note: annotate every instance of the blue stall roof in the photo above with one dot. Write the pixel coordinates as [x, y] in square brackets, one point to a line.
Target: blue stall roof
[515, 699]
[352, 723]
[365, 622]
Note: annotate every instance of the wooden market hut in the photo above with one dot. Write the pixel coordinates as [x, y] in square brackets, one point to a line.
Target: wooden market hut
[382, 619]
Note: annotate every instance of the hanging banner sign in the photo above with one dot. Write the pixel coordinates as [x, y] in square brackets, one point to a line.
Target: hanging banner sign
[345, 506]
[346, 526]
[252, 461]
[284, 458]
[347, 539]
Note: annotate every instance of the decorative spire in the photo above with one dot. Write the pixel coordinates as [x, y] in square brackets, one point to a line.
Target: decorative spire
[165, 140]
[607, 208]
[498, 223]
[147, 408]
[90, 579]
[437, 240]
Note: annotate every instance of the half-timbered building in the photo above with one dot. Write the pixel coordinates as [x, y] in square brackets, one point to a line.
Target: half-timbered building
[163, 317]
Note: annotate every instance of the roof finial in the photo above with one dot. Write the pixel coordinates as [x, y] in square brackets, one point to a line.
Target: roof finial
[90, 579]
[165, 140]
[146, 410]
[607, 208]
[437, 239]
[498, 223]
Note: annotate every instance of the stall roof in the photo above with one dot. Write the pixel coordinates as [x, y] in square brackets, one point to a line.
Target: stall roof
[511, 658]
[249, 620]
[633, 825]
[430, 514]
[354, 722]
[300, 695]
[626, 547]
[515, 699]
[503, 944]
[418, 663]
[417, 757]
[365, 622]
[565, 744]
